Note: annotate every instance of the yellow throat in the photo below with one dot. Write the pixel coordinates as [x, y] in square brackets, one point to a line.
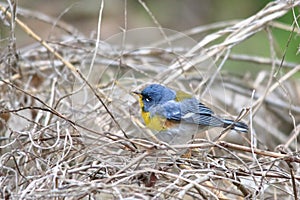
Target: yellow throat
[156, 123]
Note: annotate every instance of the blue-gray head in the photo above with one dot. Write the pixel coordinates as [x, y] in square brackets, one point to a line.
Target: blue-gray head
[156, 94]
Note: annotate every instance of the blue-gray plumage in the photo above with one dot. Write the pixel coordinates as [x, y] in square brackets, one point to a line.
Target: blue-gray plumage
[162, 101]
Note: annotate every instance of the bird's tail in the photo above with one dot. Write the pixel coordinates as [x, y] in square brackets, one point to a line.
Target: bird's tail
[237, 126]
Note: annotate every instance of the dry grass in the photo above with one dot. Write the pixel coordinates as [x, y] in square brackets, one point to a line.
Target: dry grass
[70, 127]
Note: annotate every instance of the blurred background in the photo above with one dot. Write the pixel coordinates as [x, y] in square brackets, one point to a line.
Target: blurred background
[176, 15]
[82, 16]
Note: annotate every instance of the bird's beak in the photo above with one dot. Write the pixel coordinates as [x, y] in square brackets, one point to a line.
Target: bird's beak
[136, 92]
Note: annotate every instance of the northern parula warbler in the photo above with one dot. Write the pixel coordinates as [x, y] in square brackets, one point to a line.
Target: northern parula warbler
[177, 115]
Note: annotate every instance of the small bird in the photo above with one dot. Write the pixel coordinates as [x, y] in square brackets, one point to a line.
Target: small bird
[177, 116]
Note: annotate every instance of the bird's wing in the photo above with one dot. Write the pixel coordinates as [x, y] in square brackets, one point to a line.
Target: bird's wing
[192, 111]
[189, 111]
[170, 110]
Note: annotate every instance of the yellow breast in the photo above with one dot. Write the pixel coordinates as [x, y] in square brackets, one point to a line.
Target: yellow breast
[156, 123]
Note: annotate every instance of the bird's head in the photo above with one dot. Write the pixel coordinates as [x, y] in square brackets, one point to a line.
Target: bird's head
[154, 95]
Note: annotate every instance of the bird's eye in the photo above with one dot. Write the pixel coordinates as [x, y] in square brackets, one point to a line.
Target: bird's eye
[148, 99]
